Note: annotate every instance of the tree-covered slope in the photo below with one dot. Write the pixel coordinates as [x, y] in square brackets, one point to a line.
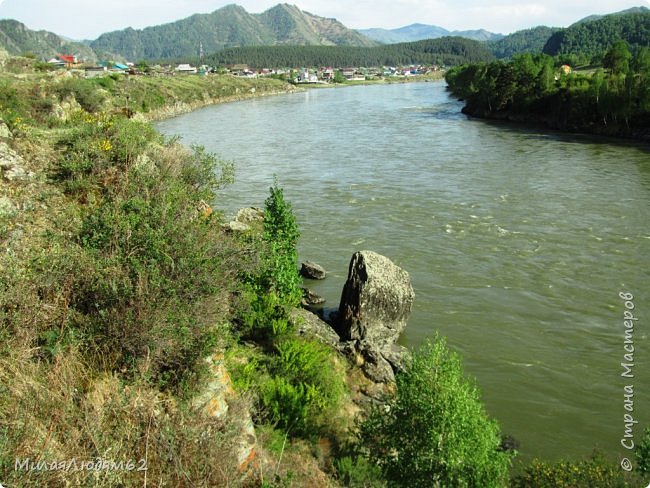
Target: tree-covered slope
[290, 25]
[229, 26]
[16, 39]
[524, 41]
[446, 50]
[633, 10]
[591, 39]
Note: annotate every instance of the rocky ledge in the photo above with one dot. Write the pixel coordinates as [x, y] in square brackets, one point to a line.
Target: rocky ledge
[375, 305]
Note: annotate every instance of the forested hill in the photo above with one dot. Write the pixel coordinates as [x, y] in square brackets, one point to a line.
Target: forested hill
[229, 26]
[446, 50]
[591, 39]
[523, 41]
[17, 39]
[613, 100]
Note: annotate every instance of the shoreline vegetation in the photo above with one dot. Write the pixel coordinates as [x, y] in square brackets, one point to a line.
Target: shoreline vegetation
[144, 343]
[609, 100]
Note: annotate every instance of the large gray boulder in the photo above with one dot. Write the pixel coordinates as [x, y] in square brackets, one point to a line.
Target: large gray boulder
[376, 300]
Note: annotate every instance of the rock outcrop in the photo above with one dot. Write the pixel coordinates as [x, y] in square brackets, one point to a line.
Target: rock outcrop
[246, 219]
[375, 305]
[5, 133]
[250, 215]
[11, 164]
[312, 271]
[309, 298]
[310, 325]
[215, 401]
[376, 300]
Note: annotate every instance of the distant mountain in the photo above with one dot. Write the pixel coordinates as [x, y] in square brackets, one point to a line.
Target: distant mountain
[17, 39]
[229, 26]
[477, 35]
[590, 39]
[523, 41]
[633, 10]
[418, 32]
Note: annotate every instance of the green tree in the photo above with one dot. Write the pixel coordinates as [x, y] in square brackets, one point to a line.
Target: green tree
[281, 233]
[434, 431]
[617, 58]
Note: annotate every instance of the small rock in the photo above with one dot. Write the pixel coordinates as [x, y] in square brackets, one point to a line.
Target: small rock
[5, 133]
[508, 443]
[8, 157]
[235, 226]
[18, 173]
[250, 215]
[7, 208]
[11, 164]
[312, 271]
[309, 298]
[310, 324]
[396, 355]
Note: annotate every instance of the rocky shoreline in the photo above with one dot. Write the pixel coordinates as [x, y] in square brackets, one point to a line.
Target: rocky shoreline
[375, 305]
[180, 108]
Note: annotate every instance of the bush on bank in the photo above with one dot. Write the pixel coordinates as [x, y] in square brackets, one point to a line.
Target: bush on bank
[434, 431]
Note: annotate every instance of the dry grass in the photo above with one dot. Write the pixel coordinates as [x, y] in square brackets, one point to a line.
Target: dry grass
[58, 413]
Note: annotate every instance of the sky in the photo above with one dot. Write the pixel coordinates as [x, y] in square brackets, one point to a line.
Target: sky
[87, 19]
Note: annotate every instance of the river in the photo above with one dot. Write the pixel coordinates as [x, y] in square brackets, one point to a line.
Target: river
[518, 240]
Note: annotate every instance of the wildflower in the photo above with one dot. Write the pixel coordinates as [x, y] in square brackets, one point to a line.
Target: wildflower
[105, 145]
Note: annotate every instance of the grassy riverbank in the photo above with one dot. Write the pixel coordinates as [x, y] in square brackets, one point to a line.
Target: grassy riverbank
[140, 335]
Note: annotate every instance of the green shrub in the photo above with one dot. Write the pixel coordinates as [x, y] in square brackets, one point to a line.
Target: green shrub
[158, 261]
[106, 82]
[273, 288]
[595, 472]
[281, 232]
[358, 472]
[84, 91]
[287, 404]
[434, 431]
[305, 386]
[263, 316]
[642, 454]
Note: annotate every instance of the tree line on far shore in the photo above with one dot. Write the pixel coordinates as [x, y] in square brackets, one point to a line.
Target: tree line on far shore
[614, 98]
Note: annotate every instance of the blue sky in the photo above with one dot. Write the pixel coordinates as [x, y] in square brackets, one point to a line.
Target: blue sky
[87, 19]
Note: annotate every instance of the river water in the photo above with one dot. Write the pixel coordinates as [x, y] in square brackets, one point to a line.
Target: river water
[518, 241]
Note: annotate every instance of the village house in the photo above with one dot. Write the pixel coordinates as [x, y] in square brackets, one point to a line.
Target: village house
[185, 69]
[95, 71]
[65, 61]
[327, 74]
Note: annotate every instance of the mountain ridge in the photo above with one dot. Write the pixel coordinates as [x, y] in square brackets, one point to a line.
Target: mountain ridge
[229, 26]
[419, 32]
[17, 39]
